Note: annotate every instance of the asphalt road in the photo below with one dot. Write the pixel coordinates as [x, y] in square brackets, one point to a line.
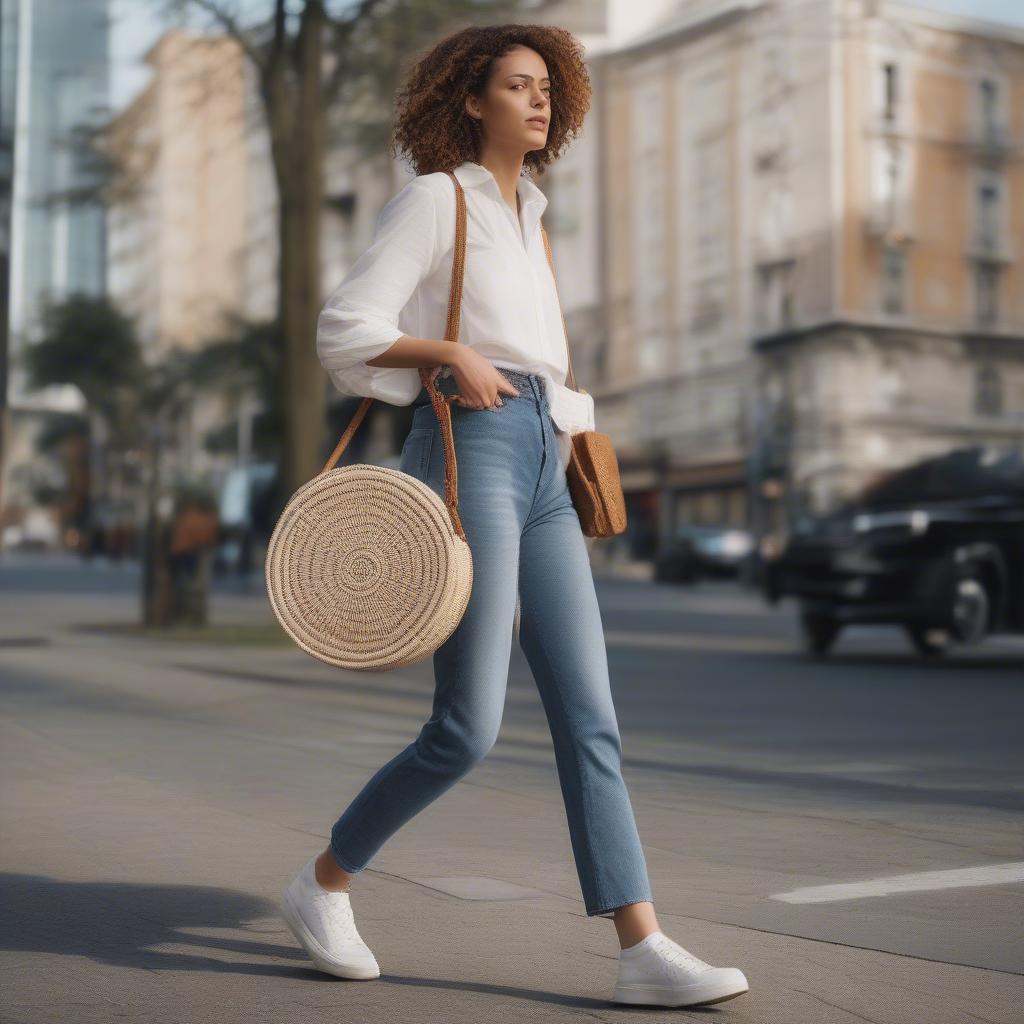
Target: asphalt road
[848, 832]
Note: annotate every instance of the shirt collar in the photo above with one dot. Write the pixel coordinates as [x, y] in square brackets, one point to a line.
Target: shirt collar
[533, 200]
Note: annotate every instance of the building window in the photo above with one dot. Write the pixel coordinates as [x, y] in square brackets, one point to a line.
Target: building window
[988, 215]
[986, 291]
[890, 95]
[777, 305]
[892, 383]
[708, 309]
[776, 216]
[988, 391]
[892, 180]
[710, 236]
[893, 277]
[649, 221]
[889, 215]
[989, 107]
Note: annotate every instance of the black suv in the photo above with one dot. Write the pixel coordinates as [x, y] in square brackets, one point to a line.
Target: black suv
[936, 547]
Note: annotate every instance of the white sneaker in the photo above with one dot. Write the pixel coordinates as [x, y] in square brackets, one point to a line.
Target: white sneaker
[322, 921]
[658, 972]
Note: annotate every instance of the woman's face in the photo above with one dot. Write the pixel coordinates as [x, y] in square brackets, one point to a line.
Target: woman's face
[519, 89]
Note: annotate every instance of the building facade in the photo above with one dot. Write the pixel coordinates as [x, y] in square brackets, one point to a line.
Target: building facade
[807, 218]
[925, 350]
[178, 209]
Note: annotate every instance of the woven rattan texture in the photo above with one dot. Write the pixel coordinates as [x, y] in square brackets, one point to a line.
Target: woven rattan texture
[595, 485]
[364, 569]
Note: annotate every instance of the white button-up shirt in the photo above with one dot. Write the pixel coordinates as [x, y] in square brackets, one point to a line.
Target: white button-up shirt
[400, 285]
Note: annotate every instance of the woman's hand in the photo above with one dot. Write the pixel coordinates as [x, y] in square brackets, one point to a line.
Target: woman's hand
[479, 382]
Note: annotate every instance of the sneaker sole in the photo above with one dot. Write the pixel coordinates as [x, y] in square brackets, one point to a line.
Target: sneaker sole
[700, 994]
[354, 971]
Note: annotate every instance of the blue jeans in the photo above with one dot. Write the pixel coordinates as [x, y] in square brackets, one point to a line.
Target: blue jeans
[520, 522]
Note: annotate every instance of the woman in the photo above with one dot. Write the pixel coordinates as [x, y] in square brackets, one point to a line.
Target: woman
[484, 103]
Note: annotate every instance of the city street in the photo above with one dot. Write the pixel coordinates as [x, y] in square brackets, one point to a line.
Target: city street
[848, 832]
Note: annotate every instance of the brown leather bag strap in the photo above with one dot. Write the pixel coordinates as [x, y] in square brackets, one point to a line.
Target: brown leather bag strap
[428, 374]
[551, 263]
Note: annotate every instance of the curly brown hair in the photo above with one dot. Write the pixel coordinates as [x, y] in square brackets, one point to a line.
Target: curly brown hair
[431, 125]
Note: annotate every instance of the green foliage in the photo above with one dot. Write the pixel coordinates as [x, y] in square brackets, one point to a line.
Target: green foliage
[89, 343]
[249, 359]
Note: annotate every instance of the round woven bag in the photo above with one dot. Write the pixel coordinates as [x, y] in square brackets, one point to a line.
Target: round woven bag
[365, 569]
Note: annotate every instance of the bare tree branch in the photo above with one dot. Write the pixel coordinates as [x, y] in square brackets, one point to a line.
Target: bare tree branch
[231, 26]
[342, 32]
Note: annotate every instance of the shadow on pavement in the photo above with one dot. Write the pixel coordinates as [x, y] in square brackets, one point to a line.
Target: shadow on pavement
[118, 923]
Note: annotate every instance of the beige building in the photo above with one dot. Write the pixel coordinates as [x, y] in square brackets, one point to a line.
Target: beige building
[179, 212]
[177, 216]
[807, 221]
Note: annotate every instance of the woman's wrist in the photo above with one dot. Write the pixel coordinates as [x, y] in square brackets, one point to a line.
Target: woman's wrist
[455, 357]
[408, 351]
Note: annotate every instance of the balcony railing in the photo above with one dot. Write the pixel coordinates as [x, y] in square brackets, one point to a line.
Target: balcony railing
[991, 138]
[990, 245]
[889, 220]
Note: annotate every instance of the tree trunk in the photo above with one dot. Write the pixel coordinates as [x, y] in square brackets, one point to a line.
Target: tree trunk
[297, 124]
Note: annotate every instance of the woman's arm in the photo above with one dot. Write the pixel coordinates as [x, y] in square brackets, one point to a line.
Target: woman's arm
[479, 382]
[410, 351]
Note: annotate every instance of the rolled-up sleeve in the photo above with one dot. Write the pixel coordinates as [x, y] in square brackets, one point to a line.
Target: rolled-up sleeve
[360, 318]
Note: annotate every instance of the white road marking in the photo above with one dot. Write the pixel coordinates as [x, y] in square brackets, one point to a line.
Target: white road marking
[696, 641]
[919, 881]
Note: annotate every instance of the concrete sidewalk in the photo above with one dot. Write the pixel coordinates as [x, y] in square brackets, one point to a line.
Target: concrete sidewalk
[157, 798]
[127, 898]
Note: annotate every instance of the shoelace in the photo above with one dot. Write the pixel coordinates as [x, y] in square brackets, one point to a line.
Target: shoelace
[341, 918]
[676, 954]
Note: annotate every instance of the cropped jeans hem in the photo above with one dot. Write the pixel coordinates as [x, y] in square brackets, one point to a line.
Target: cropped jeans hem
[342, 862]
[615, 906]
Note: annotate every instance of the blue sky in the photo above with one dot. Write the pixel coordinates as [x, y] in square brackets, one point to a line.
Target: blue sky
[137, 25]
[1010, 11]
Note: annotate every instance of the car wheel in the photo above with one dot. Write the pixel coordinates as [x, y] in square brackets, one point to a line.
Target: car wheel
[971, 607]
[930, 641]
[819, 632]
